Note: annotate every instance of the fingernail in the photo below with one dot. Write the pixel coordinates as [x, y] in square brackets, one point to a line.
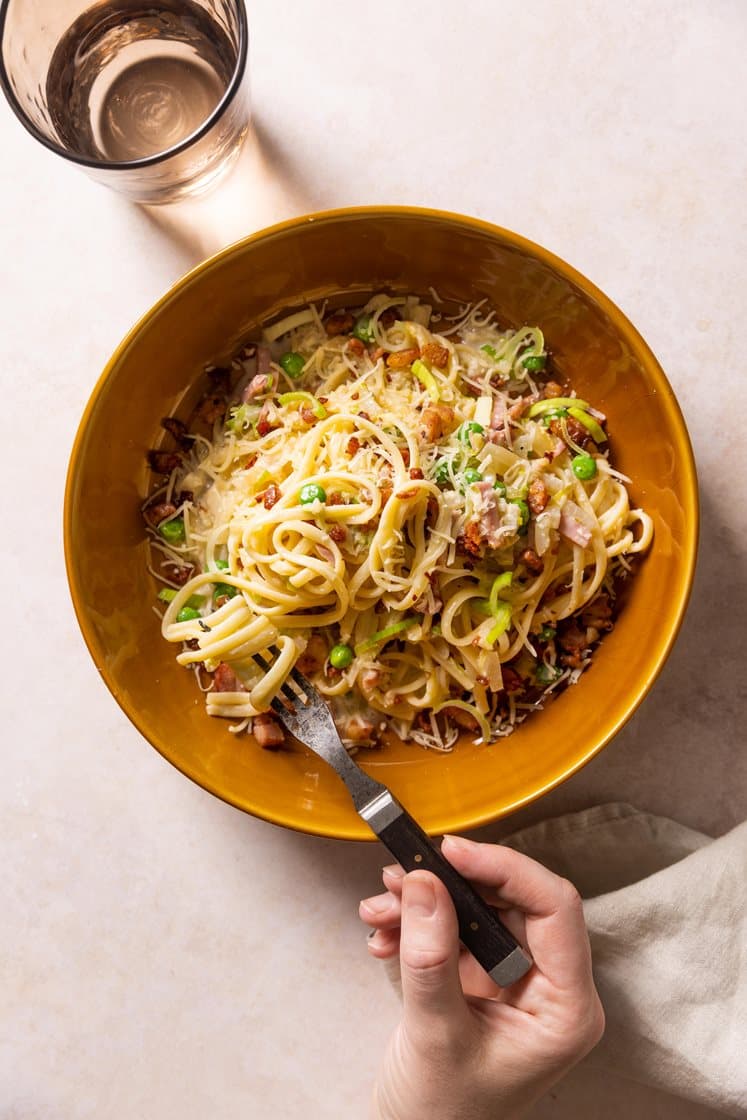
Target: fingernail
[458, 843]
[419, 896]
[379, 904]
[393, 871]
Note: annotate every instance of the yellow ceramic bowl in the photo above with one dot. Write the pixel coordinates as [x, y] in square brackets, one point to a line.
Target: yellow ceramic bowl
[202, 319]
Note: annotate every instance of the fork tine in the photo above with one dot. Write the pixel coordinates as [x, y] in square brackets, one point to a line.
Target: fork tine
[285, 689]
[305, 684]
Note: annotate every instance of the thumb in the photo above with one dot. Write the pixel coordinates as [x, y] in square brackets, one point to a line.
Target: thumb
[429, 954]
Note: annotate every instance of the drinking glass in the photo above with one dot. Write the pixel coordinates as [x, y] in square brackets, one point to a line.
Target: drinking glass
[150, 97]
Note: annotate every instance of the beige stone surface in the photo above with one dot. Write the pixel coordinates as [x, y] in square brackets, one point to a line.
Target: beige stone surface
[163, 955]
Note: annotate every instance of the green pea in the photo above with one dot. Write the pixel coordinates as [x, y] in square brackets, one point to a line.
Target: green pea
[173, 531]
[535, 362]
[312, 492]
[187, 614]
[524, 510]
[362, 329]
[221, 565]
[584, 467]
[340, 656]
[471, 476]
[224, 591]
[547, 633]
[467, 430]
[292, 364]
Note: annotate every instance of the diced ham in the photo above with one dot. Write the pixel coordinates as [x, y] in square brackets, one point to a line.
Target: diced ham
[260, 384]
[532, 561]
[357, 728]
[177, 429]
[552, 390]
[268, 732]
[338, 533]
[572, 641]
[353, 446]
[461, 718]
[517, 410]
[225, 680]
[271, 496]
[355, 346]
[576, 431]
[416, 474]
[212, 407]
[571, 526]
[177, 573]
[267, 419]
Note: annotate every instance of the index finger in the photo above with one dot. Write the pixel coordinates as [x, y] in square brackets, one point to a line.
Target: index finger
[555, 927]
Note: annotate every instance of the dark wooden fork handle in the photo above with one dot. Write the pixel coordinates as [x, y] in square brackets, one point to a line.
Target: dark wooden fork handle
[480, 928]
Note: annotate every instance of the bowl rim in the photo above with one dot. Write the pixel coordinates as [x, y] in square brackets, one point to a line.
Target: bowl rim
[453, 822]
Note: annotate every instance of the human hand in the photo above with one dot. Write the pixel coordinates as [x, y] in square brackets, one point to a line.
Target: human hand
[466, 1049]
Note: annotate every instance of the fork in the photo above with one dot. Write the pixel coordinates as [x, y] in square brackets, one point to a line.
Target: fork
[304, 713]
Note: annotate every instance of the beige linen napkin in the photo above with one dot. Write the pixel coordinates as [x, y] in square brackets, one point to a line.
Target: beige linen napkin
[666, 909]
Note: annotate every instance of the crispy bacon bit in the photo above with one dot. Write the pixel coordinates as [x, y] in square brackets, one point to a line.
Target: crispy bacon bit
[154, 515]
[271, 496]
[436, 354]
[598, 613]
[431, 512]
[386, 492]
[225, 680]
[177, 573]
[335, 499]
[341, 322]
[177, 429]
[313, 657]
[353, 446]
[416, 474]
[517, 410]
[265, 423]
[376, 353]
[268, 732]
[401, 359]
[338, 533]
[576, 430]
[307, 415]
[538, 495]
[462, 719]
[355, 346]
[164, 462]
[470, 540]
[364, 416]
[572, 641]
[532, 561]
[436, 421]
[405, 495]
[552, 390]
[250, 461]
[512, 682]
[211, 408]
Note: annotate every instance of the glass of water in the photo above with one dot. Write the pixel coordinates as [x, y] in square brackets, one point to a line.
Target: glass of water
[150, 97]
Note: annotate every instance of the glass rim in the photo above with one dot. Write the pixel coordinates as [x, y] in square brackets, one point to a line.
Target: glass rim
[145, 161]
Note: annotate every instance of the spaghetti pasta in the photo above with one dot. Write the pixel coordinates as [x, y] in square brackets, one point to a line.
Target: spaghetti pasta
[418, 517]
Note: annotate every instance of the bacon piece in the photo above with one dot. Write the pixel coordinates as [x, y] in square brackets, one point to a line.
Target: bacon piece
[462, 719]
[471, 540]
[552, 390]
[436, 421]
[355, 346]
[401, 359]
[177, 429]
[335, 499]
[357, 728]
[266, 421]
[164, 462]
[532, 561]
[177, 573]
[538, 495]
[307, 415]
[512, 682]
[376, 353]
[225, 680]
[598, 613]
[338, 533]
[271, 496]
[220, 379]
[573, 529]
[436, 354]
[386, 492]
[268, 732]
[154, 515]
[576, 431]
[572, 641]
[313, 657]
[432, 509]
[340, 322]
[416, 474]
[518, 408]
[353, 446]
